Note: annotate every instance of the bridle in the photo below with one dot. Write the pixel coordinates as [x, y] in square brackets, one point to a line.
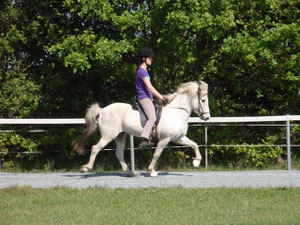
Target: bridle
[200, 106]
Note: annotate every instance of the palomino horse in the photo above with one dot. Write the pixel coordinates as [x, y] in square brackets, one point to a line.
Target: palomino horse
[119, 119]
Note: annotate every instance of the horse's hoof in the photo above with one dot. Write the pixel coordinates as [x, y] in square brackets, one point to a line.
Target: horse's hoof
[154, 174]
[196, 162]
[84, 169]
[130, 173]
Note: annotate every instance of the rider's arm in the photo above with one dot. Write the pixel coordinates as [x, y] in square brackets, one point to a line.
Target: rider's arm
[152, 89]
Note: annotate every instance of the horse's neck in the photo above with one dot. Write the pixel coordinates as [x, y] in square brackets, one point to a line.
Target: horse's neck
[181, 101]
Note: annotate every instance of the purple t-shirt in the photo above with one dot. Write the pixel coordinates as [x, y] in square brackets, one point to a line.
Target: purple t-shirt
[141, 89]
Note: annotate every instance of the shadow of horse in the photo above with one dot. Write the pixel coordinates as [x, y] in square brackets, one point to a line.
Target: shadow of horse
[116, 174]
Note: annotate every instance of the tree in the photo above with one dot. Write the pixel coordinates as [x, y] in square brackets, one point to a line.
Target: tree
[19, 93]
[257, 62]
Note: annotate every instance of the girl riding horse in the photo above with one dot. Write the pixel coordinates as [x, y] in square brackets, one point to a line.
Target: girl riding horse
[145, 92]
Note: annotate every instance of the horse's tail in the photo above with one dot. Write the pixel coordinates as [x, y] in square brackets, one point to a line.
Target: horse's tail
[91, 121]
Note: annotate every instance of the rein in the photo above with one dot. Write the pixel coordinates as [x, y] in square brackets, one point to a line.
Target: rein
[181, 109]
[201, 110]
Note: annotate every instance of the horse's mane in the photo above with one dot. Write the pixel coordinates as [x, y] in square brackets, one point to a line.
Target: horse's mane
[189, 88]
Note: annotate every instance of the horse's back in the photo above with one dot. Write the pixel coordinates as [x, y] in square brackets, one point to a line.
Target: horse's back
[118, 105]
[117, 110]
[122, 116]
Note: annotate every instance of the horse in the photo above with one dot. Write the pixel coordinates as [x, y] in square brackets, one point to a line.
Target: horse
[117, 120]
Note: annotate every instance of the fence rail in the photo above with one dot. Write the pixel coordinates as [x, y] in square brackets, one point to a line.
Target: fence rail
[283, 118]
[192, 120]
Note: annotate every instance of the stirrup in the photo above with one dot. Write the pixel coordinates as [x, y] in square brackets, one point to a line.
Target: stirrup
[145, 144]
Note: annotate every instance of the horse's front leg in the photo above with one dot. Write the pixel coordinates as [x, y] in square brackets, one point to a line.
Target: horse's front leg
[160, 147]
[187, 142]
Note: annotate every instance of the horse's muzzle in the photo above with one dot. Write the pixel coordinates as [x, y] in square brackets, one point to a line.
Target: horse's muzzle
[205, 117]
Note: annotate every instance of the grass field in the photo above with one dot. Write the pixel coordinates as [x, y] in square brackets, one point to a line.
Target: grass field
[150, 206]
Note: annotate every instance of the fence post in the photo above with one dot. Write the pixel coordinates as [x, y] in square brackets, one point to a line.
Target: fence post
[132, 153]
[288, 142]
[206, 148]
[0, 161]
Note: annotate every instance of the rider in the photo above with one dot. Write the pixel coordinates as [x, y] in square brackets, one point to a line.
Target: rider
[145, 92]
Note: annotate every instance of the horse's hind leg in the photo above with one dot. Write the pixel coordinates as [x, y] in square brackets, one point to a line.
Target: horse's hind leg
[187, 142]
[120, 141]
[95, 150]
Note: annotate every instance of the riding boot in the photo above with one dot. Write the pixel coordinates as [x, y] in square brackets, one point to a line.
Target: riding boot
[145, 143]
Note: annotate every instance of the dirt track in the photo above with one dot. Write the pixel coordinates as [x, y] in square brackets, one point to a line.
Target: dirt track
[274, 178]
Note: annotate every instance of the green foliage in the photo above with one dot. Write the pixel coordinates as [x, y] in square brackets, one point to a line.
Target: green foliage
[58, 57]
[49, 166]
[11, 142]
[258, 156]
[259, 146]
[257, 55]
[174, 158]
[18, 92]
[19, 96]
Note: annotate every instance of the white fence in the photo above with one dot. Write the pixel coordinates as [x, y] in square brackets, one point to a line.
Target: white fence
[194, 120]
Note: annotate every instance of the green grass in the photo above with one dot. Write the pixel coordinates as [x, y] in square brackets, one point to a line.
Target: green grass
[150, 206]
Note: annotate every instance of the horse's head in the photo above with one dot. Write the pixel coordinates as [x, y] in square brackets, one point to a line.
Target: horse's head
[196, 94]
[200, 101]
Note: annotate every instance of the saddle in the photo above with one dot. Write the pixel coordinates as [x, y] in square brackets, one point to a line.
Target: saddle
[158, 109]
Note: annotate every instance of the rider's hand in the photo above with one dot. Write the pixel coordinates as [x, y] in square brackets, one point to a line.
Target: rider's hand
[165, 101]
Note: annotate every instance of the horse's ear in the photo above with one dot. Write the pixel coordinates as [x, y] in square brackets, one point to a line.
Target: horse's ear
[199, 86]
[202, 85]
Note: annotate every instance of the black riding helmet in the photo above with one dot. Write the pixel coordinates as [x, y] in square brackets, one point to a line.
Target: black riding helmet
[145, 52]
